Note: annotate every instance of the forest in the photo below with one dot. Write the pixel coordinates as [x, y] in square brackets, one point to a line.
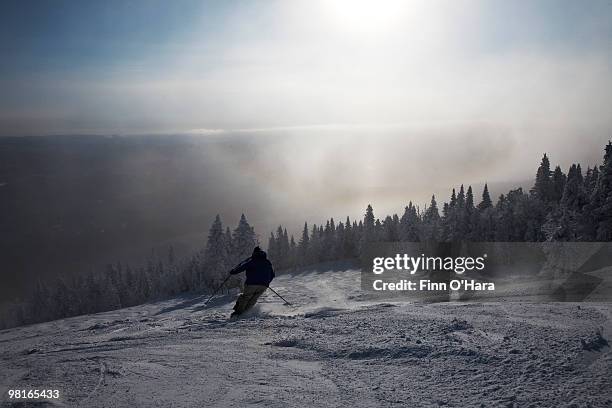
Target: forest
[561, 206]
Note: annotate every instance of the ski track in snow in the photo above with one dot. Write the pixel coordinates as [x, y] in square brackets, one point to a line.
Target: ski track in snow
[334, 347]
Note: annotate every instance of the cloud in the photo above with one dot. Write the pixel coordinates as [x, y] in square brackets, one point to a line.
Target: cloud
[299, 64]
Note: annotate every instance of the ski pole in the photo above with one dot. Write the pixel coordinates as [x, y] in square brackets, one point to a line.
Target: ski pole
[280, 296]
[216, 290]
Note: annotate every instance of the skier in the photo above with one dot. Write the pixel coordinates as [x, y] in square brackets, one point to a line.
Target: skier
[259, 274]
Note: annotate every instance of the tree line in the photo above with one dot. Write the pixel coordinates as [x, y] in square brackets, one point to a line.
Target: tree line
[572, 206]
[121, 285]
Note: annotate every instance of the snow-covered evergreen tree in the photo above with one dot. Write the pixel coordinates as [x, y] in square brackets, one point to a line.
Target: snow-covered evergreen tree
[314, 255]
[430, 227]
[215, 255]
[600, 206]
[243, 240]
[564, 222]
[349, 243]
[273, 251]
[485, 202]
[590, 180]
[339, 241]
[390, 228]
[462, 228]
[285, 247]
[558, 184]
[304, 246]
[369, 228]
[543, 188]
[292, 253]
[409, 224]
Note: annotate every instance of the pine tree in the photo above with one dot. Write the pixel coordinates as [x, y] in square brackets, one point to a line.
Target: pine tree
[517, 218]
[284, 248]
[462, 215]
[453, 225]
[574, 194]
[461, 197]
[378, 230]
[171, 255]
[304, 246]
[543, 188]
[333, 239]
[409, 224]
[40, 314]
[129, 287]
[339, 241]
[327, 244]
[349, 248]
[369, 228]
[278, 252]
[567, 219]
[471, 215]
[315, 245]
[453, 199]
[215, 255]
[292, 253]
[601, 200]
[486, 199]
[558, 184]
[448, 223]
[469, 199]
[590, 180]
[194, 271]
[272, 248]
[152, 276]
[243, 240]
[431, 222]
[503, 224]
[229, 261]
[390, 233]
[485, 225]
[109, 293]
[395, 220]
[446, 210]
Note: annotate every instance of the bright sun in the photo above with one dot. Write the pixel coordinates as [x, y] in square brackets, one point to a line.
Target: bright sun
[367, 16]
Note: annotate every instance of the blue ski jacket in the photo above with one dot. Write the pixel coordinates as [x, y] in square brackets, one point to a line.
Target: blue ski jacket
[258, 269]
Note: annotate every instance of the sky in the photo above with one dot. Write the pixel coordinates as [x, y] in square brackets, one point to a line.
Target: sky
[441, 92]
[156, 66]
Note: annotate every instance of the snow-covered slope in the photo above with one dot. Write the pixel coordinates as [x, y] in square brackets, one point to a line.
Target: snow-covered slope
[332, 348]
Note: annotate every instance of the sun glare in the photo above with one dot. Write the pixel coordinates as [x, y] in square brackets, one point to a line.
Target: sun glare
[367, 16]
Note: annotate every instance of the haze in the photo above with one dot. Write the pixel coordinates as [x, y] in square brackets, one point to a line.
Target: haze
[501, 81]
[313, 109]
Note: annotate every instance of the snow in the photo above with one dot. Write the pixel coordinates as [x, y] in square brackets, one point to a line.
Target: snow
[335, 346]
